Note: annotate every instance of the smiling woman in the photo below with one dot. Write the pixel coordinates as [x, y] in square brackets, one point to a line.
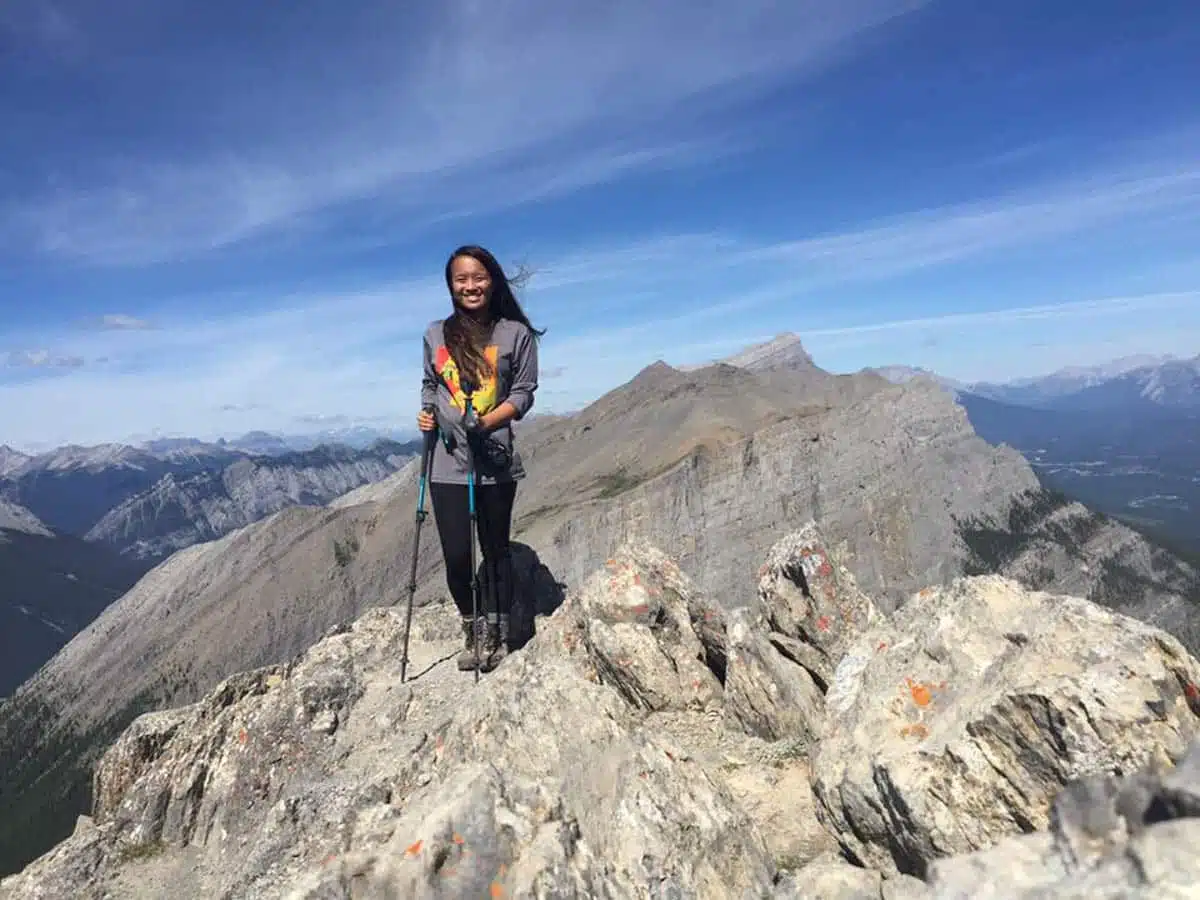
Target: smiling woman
[480, 375]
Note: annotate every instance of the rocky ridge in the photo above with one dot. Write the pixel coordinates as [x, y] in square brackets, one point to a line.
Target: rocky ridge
[178, 512]
[983, 740]
[18, 518]
[904, 488]
[711, 465]
[151, 500]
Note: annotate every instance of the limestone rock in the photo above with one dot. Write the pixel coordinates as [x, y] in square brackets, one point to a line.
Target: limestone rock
[543, 780]
[644, 745]
[830, 877]
[1110, 838]
[636, 610]
[806, 596]
[778, 798]
[955, 724]
[782, 652]
[766, 693]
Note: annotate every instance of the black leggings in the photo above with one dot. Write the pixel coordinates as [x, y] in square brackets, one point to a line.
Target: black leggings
[493, 507]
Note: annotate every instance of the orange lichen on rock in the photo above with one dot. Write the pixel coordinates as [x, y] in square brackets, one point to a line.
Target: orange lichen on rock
[921, 694]
[497, 889]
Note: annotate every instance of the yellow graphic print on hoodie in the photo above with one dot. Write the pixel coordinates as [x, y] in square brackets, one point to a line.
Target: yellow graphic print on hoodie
[484, 397]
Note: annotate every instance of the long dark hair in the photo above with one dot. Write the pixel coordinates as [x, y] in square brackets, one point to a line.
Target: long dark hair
[466, 336]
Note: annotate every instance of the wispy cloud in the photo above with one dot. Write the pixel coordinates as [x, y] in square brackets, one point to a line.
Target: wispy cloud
[121, 322]
[1088, 309]
[1142, 201]
[490, 104]
[613, 307]
[943, 235]
[42, 359]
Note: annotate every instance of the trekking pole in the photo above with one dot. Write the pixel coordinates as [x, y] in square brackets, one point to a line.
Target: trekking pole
[426, 464]
[474, 518]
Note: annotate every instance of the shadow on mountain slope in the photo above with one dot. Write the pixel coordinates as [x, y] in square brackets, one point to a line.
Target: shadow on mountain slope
[51, 587]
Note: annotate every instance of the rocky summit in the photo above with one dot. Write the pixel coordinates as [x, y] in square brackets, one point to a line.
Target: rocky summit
[711, 466]
[983, 740]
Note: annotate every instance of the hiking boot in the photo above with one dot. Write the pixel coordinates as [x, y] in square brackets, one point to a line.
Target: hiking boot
[472, 629]
[495, 645]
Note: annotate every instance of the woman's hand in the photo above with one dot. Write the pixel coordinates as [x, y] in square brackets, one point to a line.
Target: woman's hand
[426, 421]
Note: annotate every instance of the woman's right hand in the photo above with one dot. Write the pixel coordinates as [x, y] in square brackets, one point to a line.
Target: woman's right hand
[426, 421]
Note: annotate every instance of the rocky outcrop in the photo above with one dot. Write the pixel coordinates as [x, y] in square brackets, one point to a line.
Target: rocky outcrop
[711, 466]
[956, 722]
[634, 748]
[180, 511]
[1110, 838]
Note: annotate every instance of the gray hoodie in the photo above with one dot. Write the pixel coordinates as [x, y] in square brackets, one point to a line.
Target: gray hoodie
[512, 351]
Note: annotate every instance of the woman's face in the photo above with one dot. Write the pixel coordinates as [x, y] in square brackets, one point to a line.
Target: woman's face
[470, 283]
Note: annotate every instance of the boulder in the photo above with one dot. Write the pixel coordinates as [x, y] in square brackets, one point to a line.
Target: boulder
[1110, 838]
[782, 651]
[955, 724]
[830, 877]
[767, 693]
[812, 601]
[638, 618]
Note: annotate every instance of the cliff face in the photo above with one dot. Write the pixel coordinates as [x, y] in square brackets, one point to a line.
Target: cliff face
[711, 465]
[900, 482]
[889, 475]
[985, 740]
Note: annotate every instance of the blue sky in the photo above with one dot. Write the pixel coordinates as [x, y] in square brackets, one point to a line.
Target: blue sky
[221, 216]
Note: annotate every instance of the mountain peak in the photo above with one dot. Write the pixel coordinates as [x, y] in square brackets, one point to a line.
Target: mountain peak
[654, 373]
[784, 351]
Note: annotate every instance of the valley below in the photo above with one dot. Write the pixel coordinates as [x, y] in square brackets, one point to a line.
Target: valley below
[1143, 469]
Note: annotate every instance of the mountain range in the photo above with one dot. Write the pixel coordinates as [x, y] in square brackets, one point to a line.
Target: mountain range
[150, 500]
[1130, 383]
[713, 463]
[1123, 437]
[1144, 384]
[80, 525]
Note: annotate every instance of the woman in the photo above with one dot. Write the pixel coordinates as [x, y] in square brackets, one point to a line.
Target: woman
[486, 351]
